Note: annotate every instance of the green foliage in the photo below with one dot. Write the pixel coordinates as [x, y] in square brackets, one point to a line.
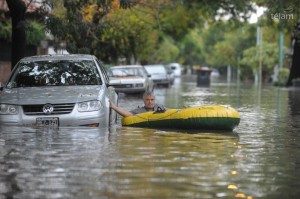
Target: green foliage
[5, 30]
[141, 32]
[178, 21]
[83, 29]
[219, 44]
[288, 8]
[34, 33]
[235, 41]
[191, 49]
[129, 34]
[268, 53]
[211, 35]
[189, 32]
[282, 76]
[166, 53]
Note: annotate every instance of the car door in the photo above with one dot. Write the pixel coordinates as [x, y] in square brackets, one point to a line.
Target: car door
[112, 95]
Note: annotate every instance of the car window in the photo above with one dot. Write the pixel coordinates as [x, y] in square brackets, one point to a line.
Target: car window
[55, 73]
[103, 71]
[142, 72]
[117, 72]
[156, 69]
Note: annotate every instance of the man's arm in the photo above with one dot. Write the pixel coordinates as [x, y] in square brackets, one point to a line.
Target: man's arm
[120, 110]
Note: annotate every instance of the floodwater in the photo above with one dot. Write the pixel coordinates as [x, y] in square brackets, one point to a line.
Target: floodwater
[259, 159]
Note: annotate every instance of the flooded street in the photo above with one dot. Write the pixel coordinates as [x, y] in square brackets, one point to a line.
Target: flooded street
[259, 159]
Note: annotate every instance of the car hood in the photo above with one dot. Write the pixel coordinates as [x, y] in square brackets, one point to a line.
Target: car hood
[130, 80]
[53, 94]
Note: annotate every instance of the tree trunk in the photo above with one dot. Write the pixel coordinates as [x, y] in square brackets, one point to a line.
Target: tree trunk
[295, 68]
[17, 9]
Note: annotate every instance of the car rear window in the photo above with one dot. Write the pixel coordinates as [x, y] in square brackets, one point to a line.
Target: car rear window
[55, 73]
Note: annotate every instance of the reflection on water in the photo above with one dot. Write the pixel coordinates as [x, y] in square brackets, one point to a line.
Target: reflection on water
[259, 159]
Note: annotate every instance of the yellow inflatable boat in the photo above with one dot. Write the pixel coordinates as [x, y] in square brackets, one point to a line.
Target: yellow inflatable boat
[217, 117]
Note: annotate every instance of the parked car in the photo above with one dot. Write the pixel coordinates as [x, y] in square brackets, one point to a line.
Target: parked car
[130, 79]
[171, 74]
[215, 73]
[58, 90]
[176, 68]
[159, 74]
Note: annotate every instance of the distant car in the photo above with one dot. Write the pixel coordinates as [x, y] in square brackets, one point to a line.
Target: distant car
[171, 74]
[215, 73]
[58, 90]
[159, 74]
[130, 79]
[176, 68]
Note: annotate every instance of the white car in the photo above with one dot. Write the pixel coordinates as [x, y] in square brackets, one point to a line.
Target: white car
[215, 73]
[58, 90]
[171, 74]
[130, 79]
[159, 74]
[176, 68]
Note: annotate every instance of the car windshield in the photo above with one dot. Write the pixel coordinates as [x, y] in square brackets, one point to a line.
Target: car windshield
[55, 73]
[125, 72]
[156, 69]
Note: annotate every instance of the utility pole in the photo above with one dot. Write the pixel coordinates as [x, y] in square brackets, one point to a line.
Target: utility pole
[260, 57]
[281, 38]
[258, 75]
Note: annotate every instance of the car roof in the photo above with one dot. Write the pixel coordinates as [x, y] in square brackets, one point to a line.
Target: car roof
[126, 66]
[59, 57]
[155, 65]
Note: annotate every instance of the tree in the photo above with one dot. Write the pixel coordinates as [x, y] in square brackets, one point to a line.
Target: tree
[17, 9]
[191, 52]
[141, 31]
[129, 34]
[289, 21]
[24, 32]
[251, 59]
[295, 68]
[84, 26]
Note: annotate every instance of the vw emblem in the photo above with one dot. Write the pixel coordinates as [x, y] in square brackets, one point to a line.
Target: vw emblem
[48, 108]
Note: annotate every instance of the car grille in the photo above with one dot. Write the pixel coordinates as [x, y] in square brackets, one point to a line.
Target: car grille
[129, 85]
[123, 86]
[38, 109]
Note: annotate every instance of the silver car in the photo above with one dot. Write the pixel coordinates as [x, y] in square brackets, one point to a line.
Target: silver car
[159, 74]
[58, 90]
[130, 79]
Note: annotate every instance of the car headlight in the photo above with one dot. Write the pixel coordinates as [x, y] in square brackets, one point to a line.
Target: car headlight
[9, 109]
[89, 106]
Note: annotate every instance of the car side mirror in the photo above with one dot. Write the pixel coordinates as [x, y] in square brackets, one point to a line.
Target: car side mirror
[1, 87]
[148, 75]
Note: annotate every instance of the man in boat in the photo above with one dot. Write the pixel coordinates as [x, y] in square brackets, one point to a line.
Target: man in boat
[149, 105]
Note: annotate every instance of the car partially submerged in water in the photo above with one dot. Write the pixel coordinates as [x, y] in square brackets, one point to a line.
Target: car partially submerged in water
[159, 74]
[130, 79]
[58, 90]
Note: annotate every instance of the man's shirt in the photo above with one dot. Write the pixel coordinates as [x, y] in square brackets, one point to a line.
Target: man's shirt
[143, 109]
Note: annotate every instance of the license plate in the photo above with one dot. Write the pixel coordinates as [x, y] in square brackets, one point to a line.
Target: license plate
[47, 121]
